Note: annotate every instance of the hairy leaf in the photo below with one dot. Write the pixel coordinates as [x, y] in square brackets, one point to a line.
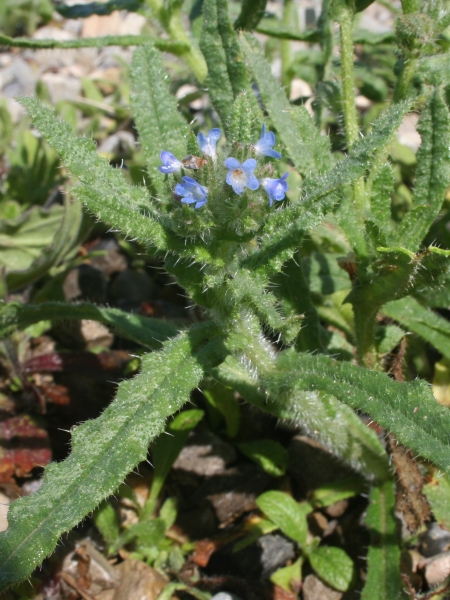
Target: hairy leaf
[305, 146]
[433, 172]
[422, 321]
[227, 74]
[159, 124]
[383, 560]
[252, 12]
[148, 332]
[407, 409]
[103, 452]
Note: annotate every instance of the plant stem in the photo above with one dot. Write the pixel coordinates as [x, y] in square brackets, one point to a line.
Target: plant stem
[350, 116]
[288, 14]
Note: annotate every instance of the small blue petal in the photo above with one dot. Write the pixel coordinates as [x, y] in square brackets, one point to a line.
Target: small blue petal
[232, 163]
[191, 191]
[275, 188]
[208, 143]
[241, 176]
[171, 164]
[264, 145]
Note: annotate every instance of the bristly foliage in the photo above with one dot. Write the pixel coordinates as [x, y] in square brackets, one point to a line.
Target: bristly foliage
[287, 320]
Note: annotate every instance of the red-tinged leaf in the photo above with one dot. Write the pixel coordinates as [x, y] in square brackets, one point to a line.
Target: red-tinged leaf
[23, 446]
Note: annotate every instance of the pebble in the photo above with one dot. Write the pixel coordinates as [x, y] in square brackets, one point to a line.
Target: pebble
[314, 589]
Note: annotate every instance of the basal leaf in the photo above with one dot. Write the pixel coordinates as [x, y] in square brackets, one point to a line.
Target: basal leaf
[159, 123]
[148, 332]
[383, 560]
[433, 172]
[104, 450]
[409, 410]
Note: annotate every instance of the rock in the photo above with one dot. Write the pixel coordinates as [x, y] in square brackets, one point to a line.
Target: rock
[314, 589]
[437, 569]
[233, 492]
[205, 454]
[407, 132]
[224, 596]
[120, 143]
[95, 334]
[255, 562]
[435, 540]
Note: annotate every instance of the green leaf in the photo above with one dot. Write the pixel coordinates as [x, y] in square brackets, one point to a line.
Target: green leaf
[168, 512]
[407, 409]
[306, 147]
[104, 450]
[227, 74]
[422, 321]
[434, 70]
[252, 12]
[433, 172]
[289, 578]
[289, 515]
[223, 399]
[338, 490]
[171, 588]
[167, 447]
[437, 492]
[158, 121]
[383, 560]
[37, 240]
[332, 423]
[269, 455]
[148, 332]
[334, 566]
[107, 522]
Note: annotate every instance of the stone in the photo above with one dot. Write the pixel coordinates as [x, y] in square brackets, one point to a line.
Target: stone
[4, 506]
[314, 589]
[437, 569]
[205, 454]
[435, 540]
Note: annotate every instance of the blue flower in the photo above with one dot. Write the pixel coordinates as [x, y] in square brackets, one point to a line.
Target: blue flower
[276, 188]
[208, 143]
[191, 191]
[171, 164]
[241, 176]
[264, 145]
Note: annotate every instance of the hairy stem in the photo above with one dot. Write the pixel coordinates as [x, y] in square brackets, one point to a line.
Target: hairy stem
[346, 18]
[285, 45]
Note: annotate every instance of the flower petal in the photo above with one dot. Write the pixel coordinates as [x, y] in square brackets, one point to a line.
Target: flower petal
[252, 182]
[249, 165]
[232, 164]
[214, 135]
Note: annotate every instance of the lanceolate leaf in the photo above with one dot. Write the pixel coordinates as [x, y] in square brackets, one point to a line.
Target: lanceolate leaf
[103, 452]
[148, 332]
[433, 172]
[104, 189]
[160, 125]
[383, 560]
[304, 144]
[407, 409]
[422, 321]
[227, 74]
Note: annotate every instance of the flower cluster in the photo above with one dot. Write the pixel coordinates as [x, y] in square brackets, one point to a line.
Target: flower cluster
[239, 176]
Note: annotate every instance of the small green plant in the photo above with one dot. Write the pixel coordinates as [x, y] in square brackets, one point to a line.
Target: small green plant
[295, 258]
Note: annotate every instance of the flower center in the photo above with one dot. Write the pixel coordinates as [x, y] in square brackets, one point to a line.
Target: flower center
[239, 176]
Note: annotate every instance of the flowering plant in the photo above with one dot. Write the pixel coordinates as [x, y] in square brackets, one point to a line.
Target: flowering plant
[299, 284]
